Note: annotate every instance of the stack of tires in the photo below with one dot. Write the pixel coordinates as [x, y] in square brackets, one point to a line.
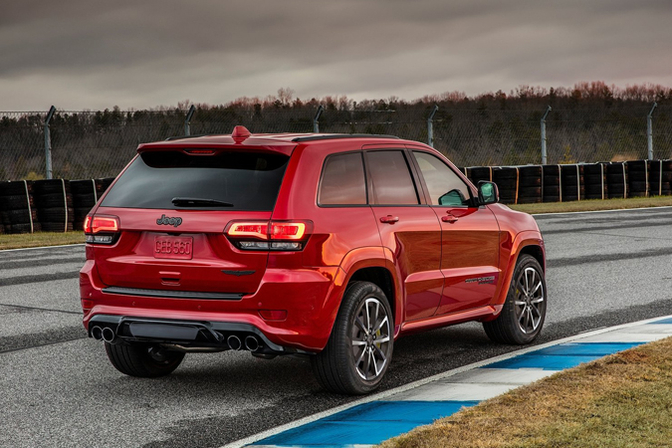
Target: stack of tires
[551, 183]
[104, 183]
[480, 173]
[506, 179]
[53, 199]
[573, 188]
[596, 180]
[617, 180]
[638, 178]
[17, 207]
[660, 177]
[529, 184]
[85, 194]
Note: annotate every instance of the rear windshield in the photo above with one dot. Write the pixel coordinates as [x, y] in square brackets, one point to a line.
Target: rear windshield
[245, 180]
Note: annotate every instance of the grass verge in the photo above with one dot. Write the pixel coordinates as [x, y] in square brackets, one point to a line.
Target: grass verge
[621, 400]
[593, 204]
[40, 239]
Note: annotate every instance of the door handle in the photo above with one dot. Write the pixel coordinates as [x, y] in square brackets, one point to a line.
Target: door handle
[449, 218]
[389, 219]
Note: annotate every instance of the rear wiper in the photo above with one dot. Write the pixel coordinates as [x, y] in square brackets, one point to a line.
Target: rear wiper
[199, 202]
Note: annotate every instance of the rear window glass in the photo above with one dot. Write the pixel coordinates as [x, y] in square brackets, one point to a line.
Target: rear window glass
[247, 180]
[343, 180]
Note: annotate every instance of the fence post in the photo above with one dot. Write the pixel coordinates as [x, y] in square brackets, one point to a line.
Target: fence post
[544, 156]
[187, 120]
[316, 119]
[649, 132]
[47, 141]
[430, 126]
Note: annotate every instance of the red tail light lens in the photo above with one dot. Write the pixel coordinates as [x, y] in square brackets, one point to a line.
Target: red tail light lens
[288, 230]
[101, 229]
[273, 235]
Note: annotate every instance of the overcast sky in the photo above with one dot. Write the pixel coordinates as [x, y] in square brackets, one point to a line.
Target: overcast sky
[93, 54]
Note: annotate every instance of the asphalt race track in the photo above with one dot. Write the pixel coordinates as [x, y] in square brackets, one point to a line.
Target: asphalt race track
[58, 389]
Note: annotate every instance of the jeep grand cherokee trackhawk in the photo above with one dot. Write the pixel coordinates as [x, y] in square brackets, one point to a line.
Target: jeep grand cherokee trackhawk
[330, 246]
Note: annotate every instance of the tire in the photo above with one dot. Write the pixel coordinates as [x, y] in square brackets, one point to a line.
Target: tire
[143, 361]
[344, 366]
[551, 181]
[15, 202]
[15, 188]
[507, 328]
[50, 186]
[52, 200]
[530, 181]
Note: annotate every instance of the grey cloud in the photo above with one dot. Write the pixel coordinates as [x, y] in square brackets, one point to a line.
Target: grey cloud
[161, 51]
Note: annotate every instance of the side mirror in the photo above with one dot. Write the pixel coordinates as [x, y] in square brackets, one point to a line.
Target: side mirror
[488, 193]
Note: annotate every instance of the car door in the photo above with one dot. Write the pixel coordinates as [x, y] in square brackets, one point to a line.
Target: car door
[469, 236]
[408, 228]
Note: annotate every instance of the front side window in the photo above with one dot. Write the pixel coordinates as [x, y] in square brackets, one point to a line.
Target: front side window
[342, 180]
[445, 187]
[391, 181]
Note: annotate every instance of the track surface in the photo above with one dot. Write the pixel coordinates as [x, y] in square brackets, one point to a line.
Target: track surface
[58, 389]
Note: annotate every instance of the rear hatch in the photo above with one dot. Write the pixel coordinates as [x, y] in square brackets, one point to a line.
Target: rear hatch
[173, 206]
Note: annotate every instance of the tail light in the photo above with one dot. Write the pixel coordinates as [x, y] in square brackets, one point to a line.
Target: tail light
[101, 229]
[269, 235]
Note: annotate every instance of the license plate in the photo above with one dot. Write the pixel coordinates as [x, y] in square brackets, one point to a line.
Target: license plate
[175, 247]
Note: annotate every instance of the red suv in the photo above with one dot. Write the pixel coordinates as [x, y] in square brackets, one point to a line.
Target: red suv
[330, 246]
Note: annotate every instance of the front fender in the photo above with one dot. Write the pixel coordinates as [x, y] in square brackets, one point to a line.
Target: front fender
[521, 241]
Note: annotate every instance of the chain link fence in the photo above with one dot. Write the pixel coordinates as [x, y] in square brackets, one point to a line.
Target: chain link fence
[88, 144]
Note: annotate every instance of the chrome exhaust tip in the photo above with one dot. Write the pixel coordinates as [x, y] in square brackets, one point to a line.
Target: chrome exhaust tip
[108, 335]
[97, 333]
[234, 342]
[251, 343]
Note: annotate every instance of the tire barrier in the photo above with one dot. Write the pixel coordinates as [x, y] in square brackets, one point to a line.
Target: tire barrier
[53, 200]
[575, 182]
[660, 178]
[573, 185]
[17, 207]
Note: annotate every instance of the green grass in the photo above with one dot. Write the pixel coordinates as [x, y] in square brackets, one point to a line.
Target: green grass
[623, 400]
[593, 204]
[40, 239]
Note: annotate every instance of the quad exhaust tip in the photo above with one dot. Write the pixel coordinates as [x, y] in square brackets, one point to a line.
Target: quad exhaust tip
[234, 342]
[251, 343]
[108, 334]
[97, 333]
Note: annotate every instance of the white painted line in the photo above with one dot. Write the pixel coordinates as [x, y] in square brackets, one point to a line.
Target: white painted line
[448, 391]
[602, 211]
[383, 395]
[42, 247]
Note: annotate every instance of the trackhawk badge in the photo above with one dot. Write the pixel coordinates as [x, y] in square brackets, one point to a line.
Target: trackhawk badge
[482, 280]
[164, 221]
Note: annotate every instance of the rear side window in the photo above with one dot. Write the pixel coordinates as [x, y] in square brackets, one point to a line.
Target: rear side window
[391, 181]
[245, 180]
[342, 180]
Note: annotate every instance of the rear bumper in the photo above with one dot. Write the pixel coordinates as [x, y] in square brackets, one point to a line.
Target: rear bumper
[309, 296]
[186, 334]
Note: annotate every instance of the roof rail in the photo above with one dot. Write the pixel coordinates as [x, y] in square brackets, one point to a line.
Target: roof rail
[340, 136]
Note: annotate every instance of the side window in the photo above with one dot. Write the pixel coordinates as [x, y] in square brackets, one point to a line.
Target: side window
[342, 180]
[391, 181]
[445, 187]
